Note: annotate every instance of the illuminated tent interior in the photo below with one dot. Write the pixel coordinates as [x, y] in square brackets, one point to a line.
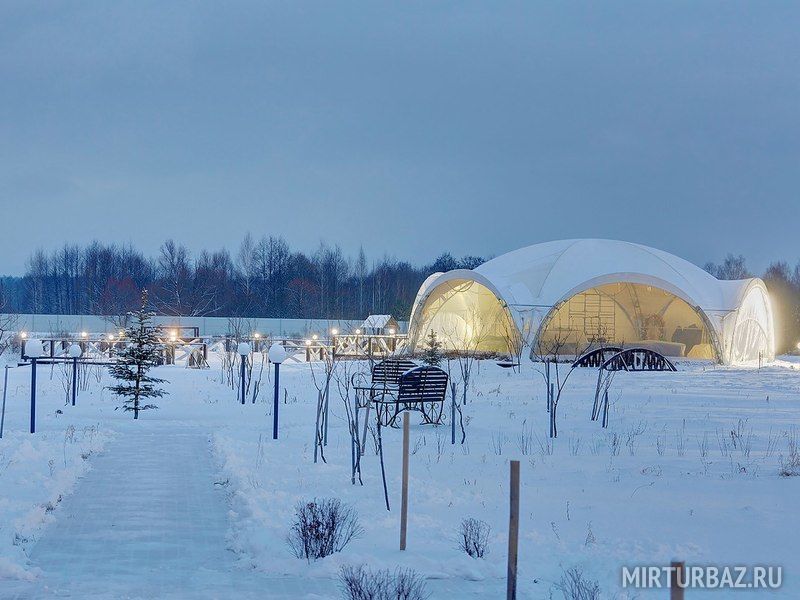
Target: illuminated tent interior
[467, 316]
[626, 315]
[573, 295]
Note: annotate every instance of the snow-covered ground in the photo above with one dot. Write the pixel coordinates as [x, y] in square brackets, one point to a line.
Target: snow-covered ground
[687, 469]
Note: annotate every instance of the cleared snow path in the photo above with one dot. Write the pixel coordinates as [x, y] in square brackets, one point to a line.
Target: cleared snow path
[149, 521]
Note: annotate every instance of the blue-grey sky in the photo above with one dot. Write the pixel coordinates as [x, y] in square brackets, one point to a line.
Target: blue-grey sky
[411, 128]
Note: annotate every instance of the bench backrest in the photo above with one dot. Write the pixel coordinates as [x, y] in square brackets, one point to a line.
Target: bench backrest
[423, 384]
[389, 371]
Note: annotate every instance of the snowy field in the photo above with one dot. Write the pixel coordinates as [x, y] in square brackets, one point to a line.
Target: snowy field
[199, 498]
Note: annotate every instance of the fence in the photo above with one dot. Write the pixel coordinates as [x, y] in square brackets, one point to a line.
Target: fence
[53, 325]
[193, 350]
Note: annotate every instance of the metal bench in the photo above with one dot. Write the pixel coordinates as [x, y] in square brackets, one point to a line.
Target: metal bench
[421, 389]
[385, 376]
[388, 372]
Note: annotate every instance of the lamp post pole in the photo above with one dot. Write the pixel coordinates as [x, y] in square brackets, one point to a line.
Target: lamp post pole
[74, 379]
[277, 354]
[33, 350]
[75, 352]
[243, 349]
[244, 376]
[33, 395]
[275, 405]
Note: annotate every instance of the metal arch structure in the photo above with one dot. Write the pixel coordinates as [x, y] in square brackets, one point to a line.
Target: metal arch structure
[596, 357]
[638, 359]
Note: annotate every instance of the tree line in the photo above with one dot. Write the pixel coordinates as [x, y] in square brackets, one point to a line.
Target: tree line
[266, 278]
[263, 278]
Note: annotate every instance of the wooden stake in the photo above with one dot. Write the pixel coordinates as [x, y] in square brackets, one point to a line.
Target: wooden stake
[404, 500]
[677, 575]
[513, 532]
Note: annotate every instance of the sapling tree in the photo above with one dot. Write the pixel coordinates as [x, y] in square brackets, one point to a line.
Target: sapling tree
[140, 352]
[432, 355]
[240, 330]
[559, 346]
[8, 325]
[455, 408]
[322, 381]
[344, 383]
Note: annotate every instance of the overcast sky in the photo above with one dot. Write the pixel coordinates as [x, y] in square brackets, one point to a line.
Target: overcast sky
[410, 128]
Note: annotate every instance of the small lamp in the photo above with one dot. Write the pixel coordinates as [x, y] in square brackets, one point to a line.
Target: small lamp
[277, 354]
[74, 351]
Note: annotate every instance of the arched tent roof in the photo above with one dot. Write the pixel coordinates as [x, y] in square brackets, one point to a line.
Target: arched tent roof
[532, 281]
[546, 274]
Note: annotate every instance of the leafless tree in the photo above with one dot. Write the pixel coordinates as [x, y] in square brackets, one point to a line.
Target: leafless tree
[343, 376]
[551, 353]
[178, 293]
[733, 267]
[8, 328]
[322, 373]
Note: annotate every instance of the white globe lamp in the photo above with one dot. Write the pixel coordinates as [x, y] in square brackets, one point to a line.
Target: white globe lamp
[277, 353]
[33, 348]
[74, 351]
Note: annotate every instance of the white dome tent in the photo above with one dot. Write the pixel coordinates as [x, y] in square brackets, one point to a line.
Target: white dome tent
[595, 292]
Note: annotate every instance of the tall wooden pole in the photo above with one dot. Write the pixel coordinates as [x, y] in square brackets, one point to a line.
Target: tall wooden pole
[676, 577]
[513, 532]
[404, 500]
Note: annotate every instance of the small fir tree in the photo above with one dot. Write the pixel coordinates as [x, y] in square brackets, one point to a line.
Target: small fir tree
[140, 352]
[432, 355]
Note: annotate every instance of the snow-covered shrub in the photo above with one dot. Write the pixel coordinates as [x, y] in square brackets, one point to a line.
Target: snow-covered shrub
[322, 527]
[360, 583]
[473, 537]
[790, 466]
[574, 586]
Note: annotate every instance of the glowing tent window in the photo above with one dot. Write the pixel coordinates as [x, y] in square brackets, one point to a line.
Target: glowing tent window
[627, 314]
[751, 340]
[467, 316]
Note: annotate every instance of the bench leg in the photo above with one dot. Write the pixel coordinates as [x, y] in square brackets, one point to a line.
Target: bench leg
[366, 425]
[397, 410]
[433, 413]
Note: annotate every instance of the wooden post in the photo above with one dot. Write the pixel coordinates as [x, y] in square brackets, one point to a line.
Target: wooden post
[513, 532]
[404, 499]
[676, 577]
